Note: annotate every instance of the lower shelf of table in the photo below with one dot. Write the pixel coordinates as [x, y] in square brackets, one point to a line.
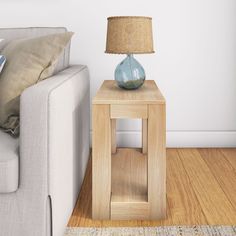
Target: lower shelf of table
[129, 198]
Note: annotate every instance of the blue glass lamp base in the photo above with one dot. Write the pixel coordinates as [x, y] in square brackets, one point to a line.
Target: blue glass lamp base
[129, 74]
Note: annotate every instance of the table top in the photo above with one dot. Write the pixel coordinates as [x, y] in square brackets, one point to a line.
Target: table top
[110, 93]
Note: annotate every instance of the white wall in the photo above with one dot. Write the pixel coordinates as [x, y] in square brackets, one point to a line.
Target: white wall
[195, 63]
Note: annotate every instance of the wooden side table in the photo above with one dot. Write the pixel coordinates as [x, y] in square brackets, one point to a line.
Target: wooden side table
[129, 183]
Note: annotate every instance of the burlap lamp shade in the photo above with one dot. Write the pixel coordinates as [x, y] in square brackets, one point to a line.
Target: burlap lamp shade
[129, 35]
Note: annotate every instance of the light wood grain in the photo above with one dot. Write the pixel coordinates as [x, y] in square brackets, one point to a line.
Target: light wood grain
[223, 172]
[211, 197]
[133, 104]
[181, 197]
[110, 93]
[144, 135]
[157, 161]
[128, 111]
[113, 136]
[101, 157]
[129, 176]
[183, 207]
[230, 155]
[129, 210]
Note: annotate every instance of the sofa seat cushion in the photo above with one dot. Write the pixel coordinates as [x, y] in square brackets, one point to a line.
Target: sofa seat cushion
[9, 163]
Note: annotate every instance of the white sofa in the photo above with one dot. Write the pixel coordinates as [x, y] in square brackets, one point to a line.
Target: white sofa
[41, 172]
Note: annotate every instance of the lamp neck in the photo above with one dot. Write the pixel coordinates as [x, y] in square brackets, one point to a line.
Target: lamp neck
[130, 55]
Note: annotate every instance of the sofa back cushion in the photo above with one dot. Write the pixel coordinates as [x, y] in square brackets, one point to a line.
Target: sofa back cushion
[9, 34]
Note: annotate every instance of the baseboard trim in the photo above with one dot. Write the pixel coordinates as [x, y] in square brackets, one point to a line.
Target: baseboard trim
[201, 138]
[182, 138]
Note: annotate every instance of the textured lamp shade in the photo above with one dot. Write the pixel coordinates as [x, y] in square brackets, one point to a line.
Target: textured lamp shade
[129, 35]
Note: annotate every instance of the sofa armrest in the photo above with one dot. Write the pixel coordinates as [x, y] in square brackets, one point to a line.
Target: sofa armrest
[54, 141]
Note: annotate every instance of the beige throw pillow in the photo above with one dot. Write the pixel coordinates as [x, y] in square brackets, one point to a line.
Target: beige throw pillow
[28, 62]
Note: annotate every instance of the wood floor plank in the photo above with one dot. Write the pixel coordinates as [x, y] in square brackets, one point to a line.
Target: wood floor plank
[213, 201]
[230, 154]
[181, 197]
[223, 171]
[194, 194]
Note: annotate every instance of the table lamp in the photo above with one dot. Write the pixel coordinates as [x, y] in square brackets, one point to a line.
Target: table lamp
[129, 35]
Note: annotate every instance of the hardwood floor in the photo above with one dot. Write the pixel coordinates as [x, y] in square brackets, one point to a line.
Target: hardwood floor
[201, 189]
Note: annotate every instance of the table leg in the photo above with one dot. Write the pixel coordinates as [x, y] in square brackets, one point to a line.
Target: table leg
[113, 136]
[157, 161]
[101, 162]
[144, 135]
